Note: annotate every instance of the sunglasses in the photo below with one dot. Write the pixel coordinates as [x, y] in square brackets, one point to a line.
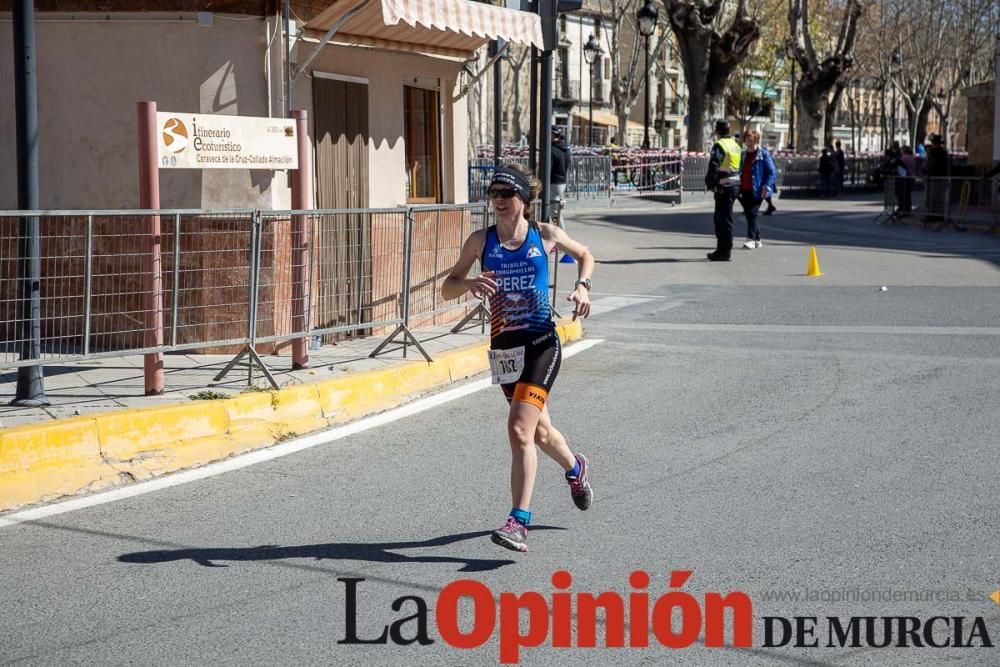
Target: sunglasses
[502, 193]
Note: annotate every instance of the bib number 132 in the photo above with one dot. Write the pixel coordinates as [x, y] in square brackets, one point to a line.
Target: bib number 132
[506, 365]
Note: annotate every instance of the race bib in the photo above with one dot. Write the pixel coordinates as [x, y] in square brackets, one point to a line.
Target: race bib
[506, 365]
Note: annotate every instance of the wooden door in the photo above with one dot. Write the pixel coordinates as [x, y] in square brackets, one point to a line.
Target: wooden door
[343, 252]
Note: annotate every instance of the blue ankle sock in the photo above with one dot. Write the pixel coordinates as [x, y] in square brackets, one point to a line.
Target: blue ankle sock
[575, 472]
[523, 517]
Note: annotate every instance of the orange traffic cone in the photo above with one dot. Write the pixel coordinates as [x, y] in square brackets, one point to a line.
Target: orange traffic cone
[813, 269]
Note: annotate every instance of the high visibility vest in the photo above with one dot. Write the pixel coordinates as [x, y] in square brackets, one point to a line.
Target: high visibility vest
[731, 157]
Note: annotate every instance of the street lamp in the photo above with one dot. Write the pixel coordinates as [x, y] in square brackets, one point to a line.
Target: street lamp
[895, 61]
[591, 53]
[647, 16]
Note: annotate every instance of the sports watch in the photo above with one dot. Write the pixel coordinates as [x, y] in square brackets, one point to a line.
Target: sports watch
[585, 282]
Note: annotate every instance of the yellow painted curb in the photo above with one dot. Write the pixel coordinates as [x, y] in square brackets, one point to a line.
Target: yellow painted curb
[45, 461]
[42, 462]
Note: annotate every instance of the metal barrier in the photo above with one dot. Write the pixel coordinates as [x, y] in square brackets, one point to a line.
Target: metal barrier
[693, 170]
[959, 202]
[963, 203]
[634, 172]
[795, 173]
[647, 174]
[230, 280]
[589, 176]
[898, 195]
[96, 297]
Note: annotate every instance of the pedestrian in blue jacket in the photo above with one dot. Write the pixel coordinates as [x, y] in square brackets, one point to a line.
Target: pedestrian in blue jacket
[757, 179]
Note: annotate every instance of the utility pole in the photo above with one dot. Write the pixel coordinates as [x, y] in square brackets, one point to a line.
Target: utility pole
[30, 390]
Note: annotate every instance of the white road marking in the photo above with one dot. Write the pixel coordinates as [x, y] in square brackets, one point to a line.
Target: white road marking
[606, 304]
[884, 330]
[260, 455]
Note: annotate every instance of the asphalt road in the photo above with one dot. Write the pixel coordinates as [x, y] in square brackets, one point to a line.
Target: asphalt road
[825, 447]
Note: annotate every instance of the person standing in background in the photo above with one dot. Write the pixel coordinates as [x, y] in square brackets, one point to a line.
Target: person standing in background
[936, 173]
[723, 178]
[841, 161]
[757, 178]
[560, 169]
[826, 169]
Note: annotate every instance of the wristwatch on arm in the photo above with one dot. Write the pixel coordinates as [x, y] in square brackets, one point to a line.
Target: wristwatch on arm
[585, 282]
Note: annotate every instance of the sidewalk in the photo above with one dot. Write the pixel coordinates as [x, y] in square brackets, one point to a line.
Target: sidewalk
[113, 383]
[101, 431]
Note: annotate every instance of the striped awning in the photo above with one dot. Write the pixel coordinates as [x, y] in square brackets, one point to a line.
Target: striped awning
[440, 27]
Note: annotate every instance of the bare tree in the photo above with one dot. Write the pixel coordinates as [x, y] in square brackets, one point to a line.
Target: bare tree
[624, 50]
[819, 74]
[942, 46]
[830, 113]
[518, 56]
[759, 75]
[709, 53]
[967, 58]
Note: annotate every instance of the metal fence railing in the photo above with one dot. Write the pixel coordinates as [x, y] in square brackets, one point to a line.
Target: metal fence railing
[637, 173]
[646, 173]
[589, 176]
[960, 202]
[96, 295]
[801, 173]
[228, 281]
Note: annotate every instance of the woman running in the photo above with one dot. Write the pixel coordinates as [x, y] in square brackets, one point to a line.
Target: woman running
[525, 351]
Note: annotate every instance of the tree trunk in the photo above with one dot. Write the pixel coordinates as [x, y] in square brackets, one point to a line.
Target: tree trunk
[819, 74]
[516, 121]
[919, 133]
[884, 129]
[830, 114]
[810, 108]
[697, 108]
[709, 57]
[716, 109]
[623, 113]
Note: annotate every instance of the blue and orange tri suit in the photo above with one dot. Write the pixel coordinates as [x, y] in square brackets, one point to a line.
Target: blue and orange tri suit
[520, 314]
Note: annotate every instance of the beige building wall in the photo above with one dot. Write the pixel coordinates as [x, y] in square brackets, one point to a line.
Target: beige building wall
[980, 116]
[90, 75]
[387, 72]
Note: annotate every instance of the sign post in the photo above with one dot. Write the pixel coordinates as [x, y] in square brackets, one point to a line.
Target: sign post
[169, 140]
[149, 198]
[301, 200]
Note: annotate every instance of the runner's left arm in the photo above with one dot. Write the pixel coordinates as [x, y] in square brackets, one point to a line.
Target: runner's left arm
[580, 295]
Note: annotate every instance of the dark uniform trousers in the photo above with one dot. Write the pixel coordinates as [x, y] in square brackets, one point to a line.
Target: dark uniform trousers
[725, 197]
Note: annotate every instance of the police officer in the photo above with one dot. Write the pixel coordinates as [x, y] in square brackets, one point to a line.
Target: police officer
[723, 178]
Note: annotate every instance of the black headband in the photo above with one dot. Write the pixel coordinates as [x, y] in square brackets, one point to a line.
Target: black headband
[514, 179]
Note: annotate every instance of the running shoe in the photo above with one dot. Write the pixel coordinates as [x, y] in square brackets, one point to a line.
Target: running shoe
[579, 487]
[512, 535]
[749, 244]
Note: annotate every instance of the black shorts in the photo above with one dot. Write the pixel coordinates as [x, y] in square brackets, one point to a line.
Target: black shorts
[542, 358]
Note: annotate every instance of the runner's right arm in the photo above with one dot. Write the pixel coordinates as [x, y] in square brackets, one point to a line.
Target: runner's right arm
[457, 284]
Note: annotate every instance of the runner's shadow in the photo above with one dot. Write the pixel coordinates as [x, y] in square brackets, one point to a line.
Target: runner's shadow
[379, 552]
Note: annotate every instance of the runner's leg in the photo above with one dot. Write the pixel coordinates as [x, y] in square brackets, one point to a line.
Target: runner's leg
[551, 441]
[522, 422]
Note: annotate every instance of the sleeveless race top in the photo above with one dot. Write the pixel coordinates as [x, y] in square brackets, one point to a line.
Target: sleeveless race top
[521, 303]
